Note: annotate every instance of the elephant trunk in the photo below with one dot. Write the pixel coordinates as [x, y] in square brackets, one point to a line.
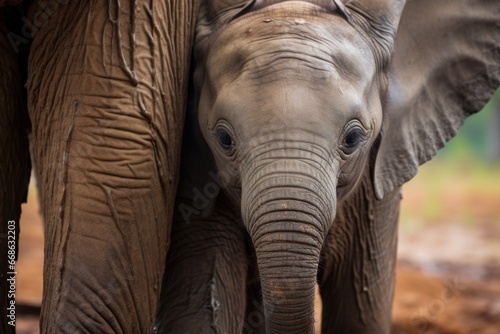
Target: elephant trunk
[287, 211]
[288, 263]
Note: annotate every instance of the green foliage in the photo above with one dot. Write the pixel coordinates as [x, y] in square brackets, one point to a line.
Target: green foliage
[462, 184]
[473, 141]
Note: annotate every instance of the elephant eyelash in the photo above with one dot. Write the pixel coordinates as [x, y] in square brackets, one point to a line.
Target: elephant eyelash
[353, 138]
[224, 138]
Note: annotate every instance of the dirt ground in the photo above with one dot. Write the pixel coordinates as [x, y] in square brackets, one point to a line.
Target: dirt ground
[457, 292]
[448, 277]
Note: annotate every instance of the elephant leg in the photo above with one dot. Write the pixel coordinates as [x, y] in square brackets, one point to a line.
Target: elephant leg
[357, 272]
[204, 286]
[106, 96]
[255, 321]
[14, 167]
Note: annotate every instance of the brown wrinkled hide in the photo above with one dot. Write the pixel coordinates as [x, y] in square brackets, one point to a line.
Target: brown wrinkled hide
[358, 262]
[106, 94]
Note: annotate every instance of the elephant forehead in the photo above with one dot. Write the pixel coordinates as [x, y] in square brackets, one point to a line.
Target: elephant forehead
[290, 42]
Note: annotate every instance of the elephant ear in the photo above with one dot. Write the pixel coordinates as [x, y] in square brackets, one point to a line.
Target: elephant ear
[445, 67]
[377, 20]
[213, 15]
[216, 13]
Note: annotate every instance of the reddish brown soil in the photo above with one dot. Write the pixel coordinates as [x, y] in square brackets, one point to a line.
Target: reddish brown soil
[448, 278]
[449, 304]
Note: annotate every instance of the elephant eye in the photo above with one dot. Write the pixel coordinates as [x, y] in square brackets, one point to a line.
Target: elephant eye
[352, 139]
[224, 138]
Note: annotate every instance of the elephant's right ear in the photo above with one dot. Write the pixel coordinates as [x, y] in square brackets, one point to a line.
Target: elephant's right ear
[445, 67]
[215, 13]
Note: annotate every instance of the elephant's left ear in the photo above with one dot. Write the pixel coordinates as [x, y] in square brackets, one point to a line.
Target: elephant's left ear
[445, 67]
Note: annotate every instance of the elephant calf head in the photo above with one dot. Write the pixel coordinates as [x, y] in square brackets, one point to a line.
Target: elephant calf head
[290, 106]
[292, 101]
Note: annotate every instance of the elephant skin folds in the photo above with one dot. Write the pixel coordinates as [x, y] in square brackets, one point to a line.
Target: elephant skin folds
[106, 95]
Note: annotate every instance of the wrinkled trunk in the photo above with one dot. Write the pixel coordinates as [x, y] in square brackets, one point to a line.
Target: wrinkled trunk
[288, 208]
[288, 263]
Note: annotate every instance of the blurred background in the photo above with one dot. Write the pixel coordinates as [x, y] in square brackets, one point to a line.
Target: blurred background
[448, 276]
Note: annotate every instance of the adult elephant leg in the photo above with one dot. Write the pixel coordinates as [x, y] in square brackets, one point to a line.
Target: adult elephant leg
[204, 287]
[255, 321]
[106, 95]
[14, 166]
[358, 263]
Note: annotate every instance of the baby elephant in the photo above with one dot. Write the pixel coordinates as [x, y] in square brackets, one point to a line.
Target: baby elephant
[307, 118]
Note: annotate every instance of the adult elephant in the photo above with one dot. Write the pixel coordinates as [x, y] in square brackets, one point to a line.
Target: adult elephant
[310, 115]
[106, 93]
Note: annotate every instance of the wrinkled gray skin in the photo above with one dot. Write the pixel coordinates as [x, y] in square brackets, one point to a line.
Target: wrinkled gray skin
[106, 93]
[313, 114]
